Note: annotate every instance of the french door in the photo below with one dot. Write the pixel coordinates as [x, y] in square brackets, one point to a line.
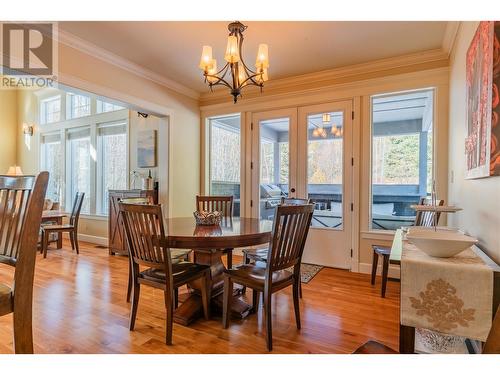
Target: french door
[306, 152]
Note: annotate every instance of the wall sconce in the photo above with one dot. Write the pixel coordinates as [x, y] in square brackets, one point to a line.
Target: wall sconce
[28, 129]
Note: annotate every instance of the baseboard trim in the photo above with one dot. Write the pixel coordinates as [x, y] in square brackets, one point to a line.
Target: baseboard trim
[103, 241]
[367, 268]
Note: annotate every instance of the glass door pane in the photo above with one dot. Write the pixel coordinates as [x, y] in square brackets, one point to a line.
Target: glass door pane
[325, 134]
[225, 151]
[274, 164]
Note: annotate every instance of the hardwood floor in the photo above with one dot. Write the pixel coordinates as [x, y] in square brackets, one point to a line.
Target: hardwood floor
[80, 307]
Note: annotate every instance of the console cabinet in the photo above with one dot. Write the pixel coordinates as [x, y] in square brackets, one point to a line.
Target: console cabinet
[116, 234]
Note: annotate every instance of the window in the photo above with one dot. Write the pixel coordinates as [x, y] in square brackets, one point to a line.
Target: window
[102, 107]
[224, 158]
[78, 106]
[401, 170]
[50, 110]
[79, 150]
[112, 145]
[52, 161]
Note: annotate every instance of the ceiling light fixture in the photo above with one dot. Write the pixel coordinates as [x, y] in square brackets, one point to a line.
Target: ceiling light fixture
[237, 72]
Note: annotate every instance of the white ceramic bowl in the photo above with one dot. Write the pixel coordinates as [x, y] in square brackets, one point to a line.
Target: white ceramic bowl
[441, 244]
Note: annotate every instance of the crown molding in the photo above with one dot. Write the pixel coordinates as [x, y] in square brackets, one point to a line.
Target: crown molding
[450, 35]
[390, 66]
[91, 49]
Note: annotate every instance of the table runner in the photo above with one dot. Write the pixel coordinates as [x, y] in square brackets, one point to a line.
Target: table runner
[448, 295]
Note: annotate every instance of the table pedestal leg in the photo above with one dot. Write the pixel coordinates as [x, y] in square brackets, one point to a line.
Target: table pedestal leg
[406, 339]
[192, 308]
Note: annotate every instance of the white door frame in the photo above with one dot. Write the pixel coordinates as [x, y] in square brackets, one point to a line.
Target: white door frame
[315, 251]
[290, 113]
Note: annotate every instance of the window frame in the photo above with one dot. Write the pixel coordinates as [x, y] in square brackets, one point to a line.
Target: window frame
[93, 121]
[377, 231]
[43, 109]
[100, 191]
[70, 97]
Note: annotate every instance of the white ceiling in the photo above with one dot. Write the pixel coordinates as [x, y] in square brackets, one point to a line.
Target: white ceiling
[172, 49]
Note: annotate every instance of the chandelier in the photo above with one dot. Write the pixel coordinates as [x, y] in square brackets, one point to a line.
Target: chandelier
[320, 131]
[235, 74]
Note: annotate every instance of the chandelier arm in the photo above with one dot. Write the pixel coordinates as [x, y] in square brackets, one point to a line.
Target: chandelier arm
[221, 82]
[219, 78]
[251, 79]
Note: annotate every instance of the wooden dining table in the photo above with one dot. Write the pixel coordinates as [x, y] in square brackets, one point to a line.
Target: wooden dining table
[54, 216]
[208, 244]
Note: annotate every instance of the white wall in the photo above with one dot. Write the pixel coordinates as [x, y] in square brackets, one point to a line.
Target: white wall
[480, 198]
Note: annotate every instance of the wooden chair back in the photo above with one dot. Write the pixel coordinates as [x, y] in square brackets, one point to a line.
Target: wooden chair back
[294, 201]
[492, 345]
[426, 218]
[77, 207]
[290, 229]
[211, 203]
[144, 232]
[21, 205]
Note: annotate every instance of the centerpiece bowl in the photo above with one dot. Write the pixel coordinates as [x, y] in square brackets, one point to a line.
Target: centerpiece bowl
[207, 218]
[441, 243]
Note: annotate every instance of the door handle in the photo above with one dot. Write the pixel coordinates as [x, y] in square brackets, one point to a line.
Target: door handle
[292, 190]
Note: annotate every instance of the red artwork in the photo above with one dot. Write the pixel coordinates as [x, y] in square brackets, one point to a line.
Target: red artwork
[482, 146]
[495, 105]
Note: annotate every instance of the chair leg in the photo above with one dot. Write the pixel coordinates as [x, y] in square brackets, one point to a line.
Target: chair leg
[176, 298]
[205, 294]
[135, 301]
[385, 271]
[41, 241]
[374, 267]
[71, 239]
[268, 315]
[229, 258]
[169, 309]
[75, 238]
[129, 284]
[45, 243]
[245, 261]
[228, 293]
[296, 306]
[23, 332]
[255, 300]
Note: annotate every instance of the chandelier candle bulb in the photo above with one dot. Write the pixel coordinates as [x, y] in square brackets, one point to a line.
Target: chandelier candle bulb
[262, 61]
[212, 71]
[206, 58]
[232, 52]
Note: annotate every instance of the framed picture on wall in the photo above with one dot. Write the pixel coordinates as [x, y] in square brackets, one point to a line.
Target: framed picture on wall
[482, 148]
[146, 149]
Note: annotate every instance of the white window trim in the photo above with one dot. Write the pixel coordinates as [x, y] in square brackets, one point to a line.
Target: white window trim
[93, 121]
[380, 234]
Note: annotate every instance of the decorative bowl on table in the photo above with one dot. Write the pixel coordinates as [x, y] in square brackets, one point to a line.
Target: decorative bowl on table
[440, 243]
[438, 342]
[207, 218]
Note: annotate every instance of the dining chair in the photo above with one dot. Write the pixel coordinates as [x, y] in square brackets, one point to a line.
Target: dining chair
[260, 254]
[491, 346]
[290, 229]
[222, 204]
[176, 254]
[422, 219]
[71, 227]
[21, 204]
[145, 236]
